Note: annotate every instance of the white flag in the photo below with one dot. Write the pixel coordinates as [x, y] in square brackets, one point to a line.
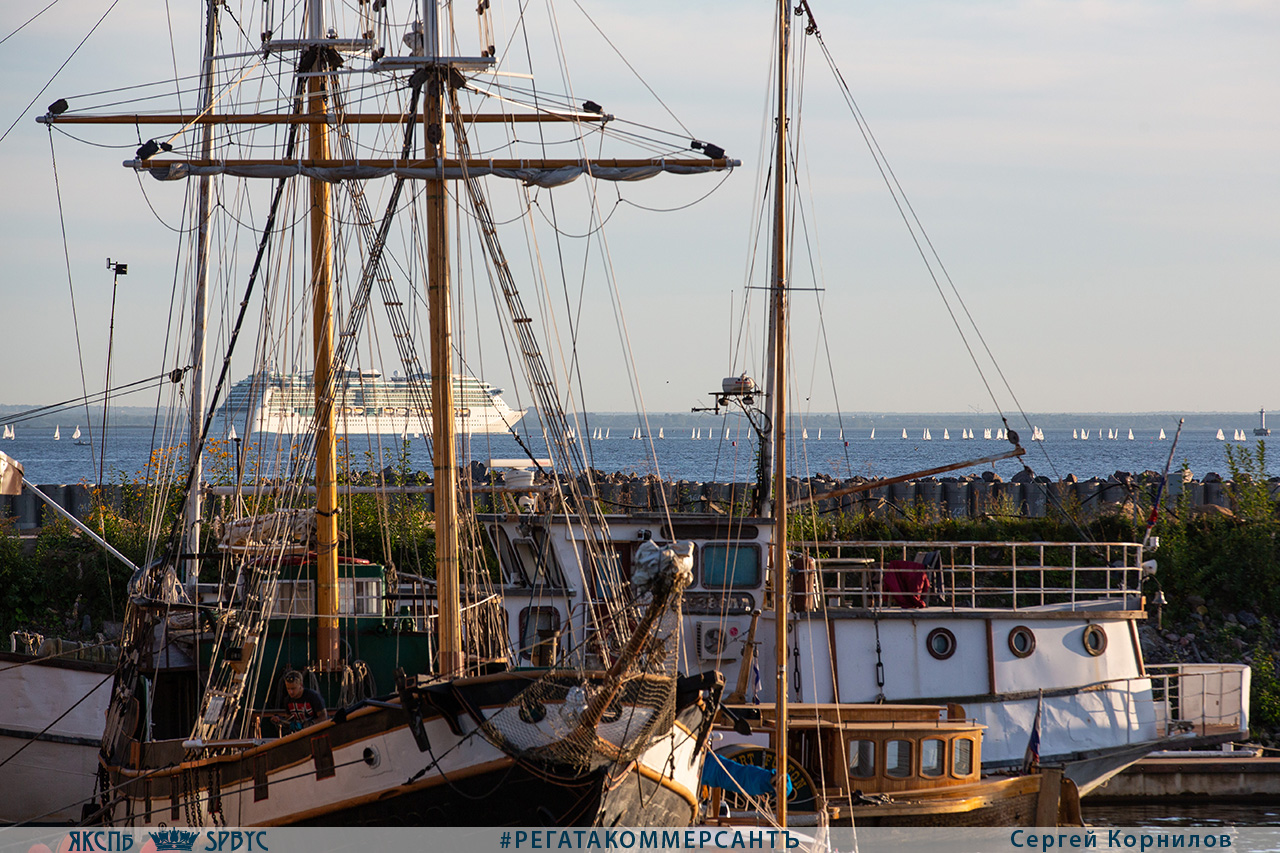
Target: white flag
[10, 476]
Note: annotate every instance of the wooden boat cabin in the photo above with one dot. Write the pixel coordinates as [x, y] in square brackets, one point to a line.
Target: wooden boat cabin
[889, 765]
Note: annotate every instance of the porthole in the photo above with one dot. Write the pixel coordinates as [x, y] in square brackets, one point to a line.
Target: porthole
[1022, 642]
[1095, 640]
[941, 643]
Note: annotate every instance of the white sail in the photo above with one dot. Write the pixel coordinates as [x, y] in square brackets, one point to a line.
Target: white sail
[660, 435]
[76, 434]
[606, 432]
[1162, 435]
[904, 433]
[946, 434]
[819, 433]
[804, 435]
[1219, 436]
[1084, 435]
[927, 436]
[1131, 433]
[57, 433]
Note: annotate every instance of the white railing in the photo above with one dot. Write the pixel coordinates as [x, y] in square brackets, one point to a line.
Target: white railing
[1200, 699]
[978, 574]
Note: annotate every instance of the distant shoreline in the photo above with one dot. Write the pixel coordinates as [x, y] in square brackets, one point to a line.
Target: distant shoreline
[140, 416]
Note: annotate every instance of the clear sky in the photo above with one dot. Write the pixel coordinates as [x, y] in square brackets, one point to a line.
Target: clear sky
[1100, 178]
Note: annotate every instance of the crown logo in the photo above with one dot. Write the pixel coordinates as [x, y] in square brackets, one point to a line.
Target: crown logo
[174, 839]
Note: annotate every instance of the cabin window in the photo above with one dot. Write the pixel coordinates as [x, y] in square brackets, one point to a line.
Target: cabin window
[941, 643]
[294, 598]
[897, 758]
[1095, 640]
[933, 757]
[611, 570]
[359, 597]
[537, 625]
[528, 562]
[962, 757]
[513, 570]
[1022, 642]
[862, 759]
[726, 565]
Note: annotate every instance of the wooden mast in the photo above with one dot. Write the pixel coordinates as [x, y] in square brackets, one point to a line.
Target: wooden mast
[778, 346]
[317, 119]
[200, 300]
[443, 441]
[327, 652]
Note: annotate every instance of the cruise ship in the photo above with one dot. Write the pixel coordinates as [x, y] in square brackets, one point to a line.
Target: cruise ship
[367, 404]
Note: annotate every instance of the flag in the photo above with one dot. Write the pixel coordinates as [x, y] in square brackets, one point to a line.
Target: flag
[10, 476]
[1031, 760]
[756, 685]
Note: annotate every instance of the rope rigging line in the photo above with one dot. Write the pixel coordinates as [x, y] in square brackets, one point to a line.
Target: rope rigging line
[904, 209]
[914, 226]
[174, 537]
[375, 267]
[75, 320]
[630, 67]
[76, 50]
[35, 737]
[23, 25]
[677, 208]
[909, 216]
[570, 458]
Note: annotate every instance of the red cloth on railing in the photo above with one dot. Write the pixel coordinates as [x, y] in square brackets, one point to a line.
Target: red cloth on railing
[907, 582]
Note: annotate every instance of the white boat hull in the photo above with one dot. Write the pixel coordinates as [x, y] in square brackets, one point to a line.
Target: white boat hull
[46, 776]
[331, 774]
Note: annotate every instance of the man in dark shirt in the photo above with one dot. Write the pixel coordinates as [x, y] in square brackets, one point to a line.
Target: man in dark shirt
[303, 706]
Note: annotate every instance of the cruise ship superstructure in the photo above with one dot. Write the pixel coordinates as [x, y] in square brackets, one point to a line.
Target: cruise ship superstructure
[367, 404]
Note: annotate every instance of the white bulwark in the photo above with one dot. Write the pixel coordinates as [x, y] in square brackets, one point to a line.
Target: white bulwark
[366, 404]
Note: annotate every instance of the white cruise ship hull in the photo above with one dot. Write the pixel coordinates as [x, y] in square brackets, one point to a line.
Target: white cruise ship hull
[367, 404]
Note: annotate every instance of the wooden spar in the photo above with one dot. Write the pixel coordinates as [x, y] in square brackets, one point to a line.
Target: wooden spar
[443, 443]
[778, 344]
[200, 299]
[888, 481]
[290, 118]
[327, 649]
[423, 163]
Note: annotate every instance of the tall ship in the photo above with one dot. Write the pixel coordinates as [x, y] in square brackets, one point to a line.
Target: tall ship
[366, 403]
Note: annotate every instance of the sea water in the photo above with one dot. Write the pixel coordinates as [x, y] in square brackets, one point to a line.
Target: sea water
[676, 456]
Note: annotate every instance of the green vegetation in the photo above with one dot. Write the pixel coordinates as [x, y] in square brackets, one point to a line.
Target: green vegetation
[1220, 572]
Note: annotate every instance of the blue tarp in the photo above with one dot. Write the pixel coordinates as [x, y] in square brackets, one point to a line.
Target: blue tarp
[731, 775]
